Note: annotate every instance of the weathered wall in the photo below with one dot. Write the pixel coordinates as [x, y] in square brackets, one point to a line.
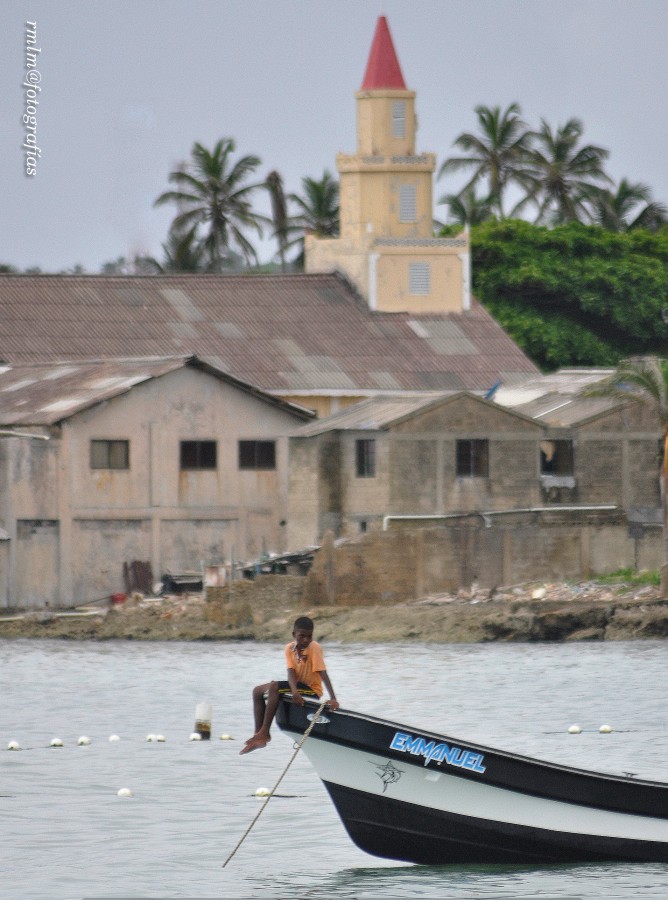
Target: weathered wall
[72, 527]
[404, 563]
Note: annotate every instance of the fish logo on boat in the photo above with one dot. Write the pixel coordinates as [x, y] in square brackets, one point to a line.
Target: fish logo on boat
[388, 774]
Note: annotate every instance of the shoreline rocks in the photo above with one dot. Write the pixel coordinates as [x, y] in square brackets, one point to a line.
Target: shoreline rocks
[263, 610]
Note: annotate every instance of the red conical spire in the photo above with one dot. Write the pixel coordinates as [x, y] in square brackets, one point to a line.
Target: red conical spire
[383, 69]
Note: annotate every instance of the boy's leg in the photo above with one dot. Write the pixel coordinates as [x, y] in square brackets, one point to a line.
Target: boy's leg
[259, 704]
[264, 711]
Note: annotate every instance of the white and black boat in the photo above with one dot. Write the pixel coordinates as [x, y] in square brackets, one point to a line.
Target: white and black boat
[426, 798]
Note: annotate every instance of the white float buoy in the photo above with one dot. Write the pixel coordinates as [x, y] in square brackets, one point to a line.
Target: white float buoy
[605, 729]
[56, 742]
[113, 738]
[83, 741]
[150, 737]
[226, 737]
[195, 736]
[160, 738]
[263, 792]
[13, 745]
[574, 729]
[125, 792]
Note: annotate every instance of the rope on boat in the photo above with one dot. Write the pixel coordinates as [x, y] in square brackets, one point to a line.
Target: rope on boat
[314, 722]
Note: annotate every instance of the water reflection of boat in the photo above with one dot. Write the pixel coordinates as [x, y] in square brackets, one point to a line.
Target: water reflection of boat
[426, 798]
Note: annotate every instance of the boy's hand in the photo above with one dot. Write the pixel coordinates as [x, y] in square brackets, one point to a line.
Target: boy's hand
[297, 698]
[333, 704]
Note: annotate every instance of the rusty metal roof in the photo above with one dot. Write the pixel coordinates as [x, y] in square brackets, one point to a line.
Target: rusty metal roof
[47, 393]
[288, 334]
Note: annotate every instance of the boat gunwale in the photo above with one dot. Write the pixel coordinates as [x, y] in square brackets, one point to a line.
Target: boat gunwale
[522, 775]
[471, 745]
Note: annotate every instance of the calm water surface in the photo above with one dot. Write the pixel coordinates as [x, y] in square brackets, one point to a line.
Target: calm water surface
[66, 833]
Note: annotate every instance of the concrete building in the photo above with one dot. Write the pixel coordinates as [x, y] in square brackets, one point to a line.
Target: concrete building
[427, 458]
[102, 463]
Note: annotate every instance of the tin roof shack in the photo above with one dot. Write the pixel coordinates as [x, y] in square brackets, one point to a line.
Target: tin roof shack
[595, 450]
[168, 460]
[419, 456]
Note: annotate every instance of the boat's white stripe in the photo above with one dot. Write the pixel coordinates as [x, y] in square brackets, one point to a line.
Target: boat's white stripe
[426, 787]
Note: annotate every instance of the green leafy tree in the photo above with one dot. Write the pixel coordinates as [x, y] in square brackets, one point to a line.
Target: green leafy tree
[565, 177]
[496, 155]
[317, 211]
[574, 294]
[213, 195]
[629, 206]
[646, 378]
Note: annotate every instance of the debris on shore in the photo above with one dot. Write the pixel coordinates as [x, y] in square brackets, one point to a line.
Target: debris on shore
[263, 609]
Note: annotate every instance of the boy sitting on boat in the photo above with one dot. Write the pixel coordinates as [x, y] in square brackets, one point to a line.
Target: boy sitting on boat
[306, 676]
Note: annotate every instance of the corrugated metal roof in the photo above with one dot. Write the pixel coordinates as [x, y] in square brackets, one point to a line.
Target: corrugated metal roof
[372, 414]
[262, 326]
[46, 393]
[555, 399]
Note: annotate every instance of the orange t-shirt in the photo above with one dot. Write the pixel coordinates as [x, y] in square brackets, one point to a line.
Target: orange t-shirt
[309, 666]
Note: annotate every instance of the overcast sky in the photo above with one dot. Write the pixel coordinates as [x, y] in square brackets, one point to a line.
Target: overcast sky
[127, 86]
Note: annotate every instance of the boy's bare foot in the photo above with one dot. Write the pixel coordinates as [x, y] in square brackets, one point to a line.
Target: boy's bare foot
[255, 743]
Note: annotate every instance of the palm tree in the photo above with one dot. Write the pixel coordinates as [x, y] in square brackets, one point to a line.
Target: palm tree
[318, 211]
[619, 211]
[565, 177]
[279, 213]
[213, 194]
[646, 378]
[497, 154]
[466, 208]
[182, 253]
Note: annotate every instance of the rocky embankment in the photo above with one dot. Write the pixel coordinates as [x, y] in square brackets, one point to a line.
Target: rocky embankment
[263, 610]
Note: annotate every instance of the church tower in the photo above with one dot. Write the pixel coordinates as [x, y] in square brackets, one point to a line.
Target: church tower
[386, 245]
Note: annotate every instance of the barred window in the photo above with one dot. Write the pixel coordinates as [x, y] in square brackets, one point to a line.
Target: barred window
[110, 454]
[472, 459]
[407, 203]
[257, 454]
[419, 278]
[198, 455]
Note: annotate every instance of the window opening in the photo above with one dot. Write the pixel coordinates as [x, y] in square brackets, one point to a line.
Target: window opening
[473, 458]
[407, 203]
[109, 454]
[398, 118]
[198, 455]
[257, 454]
[365, 458]
[556, 457]
[419, 278]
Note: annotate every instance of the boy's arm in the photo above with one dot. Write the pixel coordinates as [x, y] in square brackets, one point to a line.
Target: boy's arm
[332, 703]
[292, 681]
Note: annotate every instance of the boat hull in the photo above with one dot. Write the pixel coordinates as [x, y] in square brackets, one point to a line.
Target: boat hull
[425, 798]
[398, 830]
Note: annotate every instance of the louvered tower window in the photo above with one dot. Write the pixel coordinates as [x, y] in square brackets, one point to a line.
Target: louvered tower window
[407, 203]
[419, 278]
[398, 118]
